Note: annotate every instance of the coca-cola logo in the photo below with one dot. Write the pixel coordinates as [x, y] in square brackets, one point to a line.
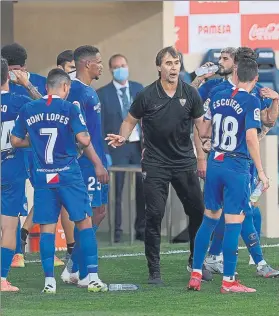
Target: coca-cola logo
[269, 32]
[214, 29]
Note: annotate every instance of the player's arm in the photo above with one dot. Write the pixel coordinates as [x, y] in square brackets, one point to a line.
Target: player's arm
[22, 80]
[252, 125]
[135, 114]
[199, 80]
[269, 115]
[19, 136]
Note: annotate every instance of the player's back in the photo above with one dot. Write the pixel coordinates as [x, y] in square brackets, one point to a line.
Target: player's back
[38, 81]
[53, 141]
[206, 87]
[86, 98]
[12, 160]
[233, 112]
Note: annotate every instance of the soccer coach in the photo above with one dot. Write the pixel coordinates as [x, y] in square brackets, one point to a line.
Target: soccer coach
[166, 109]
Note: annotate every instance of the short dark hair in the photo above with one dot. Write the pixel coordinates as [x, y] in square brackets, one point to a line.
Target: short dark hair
[115, 56]
[247, 70]
[64, 57]
[15, 54]
[4, 71]
[163, 52]
[85, 51]
[245, 52]
[56, 77]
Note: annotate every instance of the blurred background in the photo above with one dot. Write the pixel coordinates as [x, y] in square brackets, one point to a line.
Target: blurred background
[138, 30]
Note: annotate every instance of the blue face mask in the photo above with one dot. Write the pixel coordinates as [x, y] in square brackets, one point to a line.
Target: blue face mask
[121, 74]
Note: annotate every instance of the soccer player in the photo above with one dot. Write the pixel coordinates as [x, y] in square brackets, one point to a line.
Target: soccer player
[13, 177]
[65, 61]
[33, 85]
[234, 116]
[251, 227]
[51, 125]
[89, 67]
[16, 56]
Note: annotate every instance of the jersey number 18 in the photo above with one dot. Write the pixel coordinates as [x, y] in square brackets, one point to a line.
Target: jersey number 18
[229, 126]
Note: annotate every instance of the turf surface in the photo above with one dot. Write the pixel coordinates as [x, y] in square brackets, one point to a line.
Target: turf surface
[172, 299]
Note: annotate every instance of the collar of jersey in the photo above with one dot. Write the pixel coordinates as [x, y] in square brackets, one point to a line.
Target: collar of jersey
[76, 79]
[230, 81]
[4, 92]
[162, 93]
[54, 96]
[239, 89]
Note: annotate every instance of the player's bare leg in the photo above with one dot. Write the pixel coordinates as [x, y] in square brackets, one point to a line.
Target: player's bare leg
[99, 215]
[68, 227]
[8, 245]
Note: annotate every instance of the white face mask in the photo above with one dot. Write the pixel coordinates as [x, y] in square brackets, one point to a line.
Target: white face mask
[72, 74]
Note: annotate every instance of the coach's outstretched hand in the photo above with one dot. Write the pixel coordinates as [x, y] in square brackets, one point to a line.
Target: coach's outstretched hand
[264, 180]
[115, 140]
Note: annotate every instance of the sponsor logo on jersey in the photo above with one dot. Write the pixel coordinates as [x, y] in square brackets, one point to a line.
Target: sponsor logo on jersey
[52, 178]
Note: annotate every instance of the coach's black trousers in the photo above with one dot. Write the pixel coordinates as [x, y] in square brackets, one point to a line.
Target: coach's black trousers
[156, 187]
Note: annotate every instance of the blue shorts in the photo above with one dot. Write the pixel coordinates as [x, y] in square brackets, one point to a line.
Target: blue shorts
[48, 203]
[97, 192]
[226, 188]
[13, 199]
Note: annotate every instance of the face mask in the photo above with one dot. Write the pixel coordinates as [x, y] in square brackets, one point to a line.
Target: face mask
[72, 74]
[121, 74]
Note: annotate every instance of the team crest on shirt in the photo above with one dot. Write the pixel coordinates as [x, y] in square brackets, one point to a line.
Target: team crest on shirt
[76, 103]
[182, 101]
[257, 114]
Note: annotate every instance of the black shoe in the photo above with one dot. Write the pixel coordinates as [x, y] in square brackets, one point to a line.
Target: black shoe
[23, 245]
[206, 275]
[139, 236]
[155, 278]
[117, 236]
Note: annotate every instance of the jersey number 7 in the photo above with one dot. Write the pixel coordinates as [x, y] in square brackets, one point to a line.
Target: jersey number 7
[52, 136]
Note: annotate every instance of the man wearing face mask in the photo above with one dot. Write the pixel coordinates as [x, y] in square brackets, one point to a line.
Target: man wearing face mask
[116, 99]
[65, 61]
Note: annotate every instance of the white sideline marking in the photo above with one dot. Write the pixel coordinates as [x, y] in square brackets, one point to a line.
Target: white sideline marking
[139, 254]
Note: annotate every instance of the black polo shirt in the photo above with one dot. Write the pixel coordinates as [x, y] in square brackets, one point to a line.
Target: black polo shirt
[166, 124]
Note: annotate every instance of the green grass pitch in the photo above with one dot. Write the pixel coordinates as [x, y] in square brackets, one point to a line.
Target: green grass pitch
[172, 299]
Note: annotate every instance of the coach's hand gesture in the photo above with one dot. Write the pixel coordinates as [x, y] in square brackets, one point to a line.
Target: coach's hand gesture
[115, 140]
[264, 180]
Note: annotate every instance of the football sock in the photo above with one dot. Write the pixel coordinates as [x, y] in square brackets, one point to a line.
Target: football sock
[257, 219]
[6, 261]
[230, 248]
[24, 234]
[202, 241]
[218, 236]
[47, 250]
[75, 252]
[88, 252]
[251, 239]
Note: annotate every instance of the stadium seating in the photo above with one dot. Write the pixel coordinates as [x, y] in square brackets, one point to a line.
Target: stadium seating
[268, 72]
[211, 55]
